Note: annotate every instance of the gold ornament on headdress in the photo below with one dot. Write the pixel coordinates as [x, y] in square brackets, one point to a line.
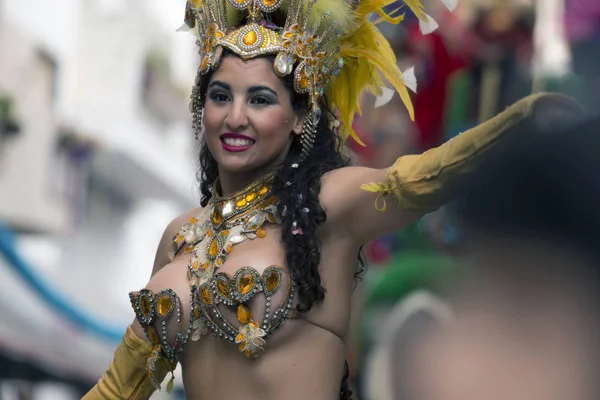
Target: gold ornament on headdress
[330, 46]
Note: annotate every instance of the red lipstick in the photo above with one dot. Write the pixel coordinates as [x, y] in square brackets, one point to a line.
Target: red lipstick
[236, 143]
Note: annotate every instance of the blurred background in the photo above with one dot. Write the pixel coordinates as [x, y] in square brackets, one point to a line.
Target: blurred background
[97, 156]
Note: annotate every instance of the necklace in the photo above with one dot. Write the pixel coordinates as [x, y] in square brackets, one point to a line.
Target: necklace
[223, 223]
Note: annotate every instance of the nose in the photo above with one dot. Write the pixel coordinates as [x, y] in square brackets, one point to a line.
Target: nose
[237, 118]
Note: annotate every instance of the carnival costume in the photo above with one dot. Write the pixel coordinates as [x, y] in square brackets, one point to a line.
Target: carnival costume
[333, 50]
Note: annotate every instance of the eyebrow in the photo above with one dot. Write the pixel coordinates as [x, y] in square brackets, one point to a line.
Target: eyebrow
[251, 90]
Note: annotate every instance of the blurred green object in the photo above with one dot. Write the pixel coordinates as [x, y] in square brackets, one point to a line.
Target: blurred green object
[458, 100]
[8, 123]
[406, 272]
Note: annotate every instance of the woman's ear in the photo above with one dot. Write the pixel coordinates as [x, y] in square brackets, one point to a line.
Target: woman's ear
[300, 118]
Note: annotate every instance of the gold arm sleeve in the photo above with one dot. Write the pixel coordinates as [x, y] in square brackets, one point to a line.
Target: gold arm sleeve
[423, 183]
[127, 378]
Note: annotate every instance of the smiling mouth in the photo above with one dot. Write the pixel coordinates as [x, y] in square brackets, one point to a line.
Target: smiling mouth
[237, 142]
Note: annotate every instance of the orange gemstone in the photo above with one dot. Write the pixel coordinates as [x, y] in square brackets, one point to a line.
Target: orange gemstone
[263, 190]
[164, 305]
[272, 280]
[250, 38]
[229, 248]
[209, 233]
[179, 238]
[239, 338]
[193, 220]
[195, 265]
[242, 346]
[152, 335]
[204, 62]
[248, 353]
[145, 305]
[303, 83]
[220, 261]
[189, 249]
[225, 232]
[197, 312]
[243, 314]
[269, 2]
[205, 265]
[223, 288]
[241, 203]
[261, 233]
[205, 295]
[213, 249]
[245, 283]
[250, 197]
[217, 217]
[253, 324]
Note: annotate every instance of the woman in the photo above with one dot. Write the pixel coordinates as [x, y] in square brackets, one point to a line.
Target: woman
[267, 263]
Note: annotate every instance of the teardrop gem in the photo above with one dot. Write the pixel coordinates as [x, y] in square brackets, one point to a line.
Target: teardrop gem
[145, 305]
[245, 283]
[205, 295]
[223, 288]
[213, 250]
[272, 281]
[217, 217]
[249, 38]
[243, 314]
[165, 303]
[282, 64]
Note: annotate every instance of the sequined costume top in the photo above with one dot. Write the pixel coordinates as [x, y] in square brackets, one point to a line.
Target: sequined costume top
[209, 238]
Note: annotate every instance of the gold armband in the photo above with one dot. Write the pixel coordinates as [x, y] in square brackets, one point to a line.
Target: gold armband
[423, 183]
[127, 377]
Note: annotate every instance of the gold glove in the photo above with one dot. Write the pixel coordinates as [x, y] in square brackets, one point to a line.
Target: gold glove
[127, 378]
[423, 183]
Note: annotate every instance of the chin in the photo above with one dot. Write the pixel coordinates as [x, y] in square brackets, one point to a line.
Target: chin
[236, 162]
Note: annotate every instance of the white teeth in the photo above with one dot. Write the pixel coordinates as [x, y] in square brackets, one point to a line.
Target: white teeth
[237, 142]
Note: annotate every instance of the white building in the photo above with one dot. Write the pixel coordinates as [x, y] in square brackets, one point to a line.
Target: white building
[104, 160]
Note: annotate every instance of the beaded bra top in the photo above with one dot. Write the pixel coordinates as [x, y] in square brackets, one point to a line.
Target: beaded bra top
[209, 238]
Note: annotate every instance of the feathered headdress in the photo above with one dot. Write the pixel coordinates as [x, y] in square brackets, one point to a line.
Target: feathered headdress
[330, 46]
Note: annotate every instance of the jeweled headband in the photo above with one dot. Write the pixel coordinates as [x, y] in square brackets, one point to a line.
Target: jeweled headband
[330, 46]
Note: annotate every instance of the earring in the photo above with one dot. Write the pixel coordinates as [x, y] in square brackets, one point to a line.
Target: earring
[197, 111]
[309, 132]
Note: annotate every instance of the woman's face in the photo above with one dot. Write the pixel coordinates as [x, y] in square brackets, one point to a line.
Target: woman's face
[249, 122]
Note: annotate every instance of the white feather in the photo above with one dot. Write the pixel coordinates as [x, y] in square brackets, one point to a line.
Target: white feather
[410, 79]
[450, 4]
[428, 24]
[385, 97]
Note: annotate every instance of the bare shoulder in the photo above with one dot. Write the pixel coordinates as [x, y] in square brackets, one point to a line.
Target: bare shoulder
[174, 226]
[341, 189]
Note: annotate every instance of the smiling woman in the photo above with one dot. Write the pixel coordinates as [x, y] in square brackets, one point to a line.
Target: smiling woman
[267, 262]
[250, 122]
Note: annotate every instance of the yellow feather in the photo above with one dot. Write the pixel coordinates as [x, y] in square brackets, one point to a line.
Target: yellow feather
[416, 7]
[368, 57]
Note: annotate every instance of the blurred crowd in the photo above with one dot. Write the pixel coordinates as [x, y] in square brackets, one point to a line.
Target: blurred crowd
[518, 304]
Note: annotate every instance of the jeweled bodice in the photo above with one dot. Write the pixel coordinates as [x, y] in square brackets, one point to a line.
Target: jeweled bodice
[209, 238]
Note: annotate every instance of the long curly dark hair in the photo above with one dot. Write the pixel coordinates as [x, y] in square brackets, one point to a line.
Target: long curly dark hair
[298, 192]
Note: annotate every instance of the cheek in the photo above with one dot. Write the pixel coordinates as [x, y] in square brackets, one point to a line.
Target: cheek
[213, 119]
[275, 126]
